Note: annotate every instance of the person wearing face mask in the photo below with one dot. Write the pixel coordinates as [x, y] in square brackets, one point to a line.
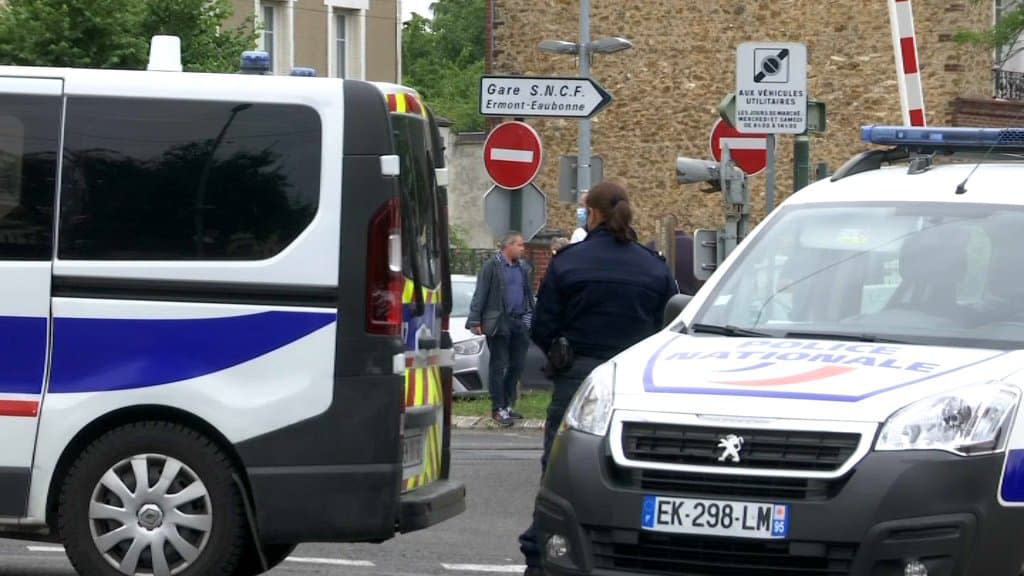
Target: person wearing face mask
[580, 233]
[599, 297]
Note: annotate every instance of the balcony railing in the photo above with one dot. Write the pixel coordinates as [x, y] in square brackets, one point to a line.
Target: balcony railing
[1010, 85]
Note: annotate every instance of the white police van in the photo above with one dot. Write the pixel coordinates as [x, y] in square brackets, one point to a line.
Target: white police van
[842, 397]
[222, 309]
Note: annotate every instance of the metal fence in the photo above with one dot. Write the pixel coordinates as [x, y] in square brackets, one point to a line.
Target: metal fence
[1009, 85]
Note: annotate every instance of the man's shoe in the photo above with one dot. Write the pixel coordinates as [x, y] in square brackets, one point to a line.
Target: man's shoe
[534, 571]
[501, 418]
[514, 415]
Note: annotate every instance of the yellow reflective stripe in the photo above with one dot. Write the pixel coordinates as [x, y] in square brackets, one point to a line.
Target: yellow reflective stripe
[400, 104]
[407, 292]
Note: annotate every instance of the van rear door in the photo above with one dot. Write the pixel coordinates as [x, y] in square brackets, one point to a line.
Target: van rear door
[30, 126]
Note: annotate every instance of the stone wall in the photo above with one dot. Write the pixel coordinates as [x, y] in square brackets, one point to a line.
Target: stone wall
[668, 87]
[468, 183]
[988, 113]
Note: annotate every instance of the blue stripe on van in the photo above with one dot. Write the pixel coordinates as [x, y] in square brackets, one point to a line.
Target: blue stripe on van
[1013, 477]
[22, 354]
[103, 354]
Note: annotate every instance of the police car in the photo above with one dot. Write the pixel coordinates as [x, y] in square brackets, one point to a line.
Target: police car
[841, 398]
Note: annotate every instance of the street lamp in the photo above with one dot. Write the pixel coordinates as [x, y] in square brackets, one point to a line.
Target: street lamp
[585, 48]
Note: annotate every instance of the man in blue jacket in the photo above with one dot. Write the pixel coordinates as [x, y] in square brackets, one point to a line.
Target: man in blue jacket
[501, 310]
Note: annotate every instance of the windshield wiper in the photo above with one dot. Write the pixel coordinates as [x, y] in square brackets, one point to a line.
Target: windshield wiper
[729, 330]
[843, 336]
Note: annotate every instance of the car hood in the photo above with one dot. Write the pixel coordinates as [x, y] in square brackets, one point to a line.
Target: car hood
[783, 378]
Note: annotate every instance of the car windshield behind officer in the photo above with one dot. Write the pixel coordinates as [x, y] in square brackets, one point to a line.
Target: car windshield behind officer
[599, 297]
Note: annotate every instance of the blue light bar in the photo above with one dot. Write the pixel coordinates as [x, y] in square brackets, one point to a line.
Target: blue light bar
[945, 138]
[255, 62]
[305, 72]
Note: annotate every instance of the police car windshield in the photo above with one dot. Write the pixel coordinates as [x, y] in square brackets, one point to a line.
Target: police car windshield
[932, 273]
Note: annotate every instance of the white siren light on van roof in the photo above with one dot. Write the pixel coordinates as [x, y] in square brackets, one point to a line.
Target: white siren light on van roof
[165, 54]
[945, 138]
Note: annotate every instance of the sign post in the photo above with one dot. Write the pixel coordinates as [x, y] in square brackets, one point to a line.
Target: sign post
[771, 95]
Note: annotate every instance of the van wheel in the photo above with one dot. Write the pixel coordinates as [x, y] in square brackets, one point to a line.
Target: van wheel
[250, 564]
[152, 498]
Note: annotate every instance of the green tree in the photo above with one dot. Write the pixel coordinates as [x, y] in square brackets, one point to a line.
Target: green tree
[443, 59]
[116, 33]
[1002, 36]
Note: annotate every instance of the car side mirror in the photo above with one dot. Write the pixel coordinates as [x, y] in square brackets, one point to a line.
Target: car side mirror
[675, 307]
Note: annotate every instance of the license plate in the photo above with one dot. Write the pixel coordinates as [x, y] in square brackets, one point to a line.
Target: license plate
[412, 451]
[715, 518]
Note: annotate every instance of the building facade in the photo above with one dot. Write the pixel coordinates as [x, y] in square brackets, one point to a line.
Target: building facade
[667, 88]
[359, 39]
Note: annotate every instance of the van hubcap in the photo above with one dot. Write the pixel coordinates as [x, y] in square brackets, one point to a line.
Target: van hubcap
[150, 514]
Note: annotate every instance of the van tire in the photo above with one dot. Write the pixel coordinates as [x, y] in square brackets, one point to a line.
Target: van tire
[276, 554]
[203, 529]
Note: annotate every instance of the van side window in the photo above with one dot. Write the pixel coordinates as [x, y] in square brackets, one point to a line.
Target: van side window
[186, 180]
[29, 142]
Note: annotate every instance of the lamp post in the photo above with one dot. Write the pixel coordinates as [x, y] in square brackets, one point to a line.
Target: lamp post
[585, 49]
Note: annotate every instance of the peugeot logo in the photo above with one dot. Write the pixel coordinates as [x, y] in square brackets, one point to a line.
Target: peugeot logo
[730, 447]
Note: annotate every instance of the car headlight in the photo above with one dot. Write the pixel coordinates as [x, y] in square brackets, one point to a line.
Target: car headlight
[591, 407]
[470, 347]
[969, 421]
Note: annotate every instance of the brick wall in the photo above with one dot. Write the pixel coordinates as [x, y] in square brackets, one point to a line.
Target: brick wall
[985, 112]
[668, 87]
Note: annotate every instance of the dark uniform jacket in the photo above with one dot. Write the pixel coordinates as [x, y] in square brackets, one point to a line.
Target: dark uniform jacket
[602, 296]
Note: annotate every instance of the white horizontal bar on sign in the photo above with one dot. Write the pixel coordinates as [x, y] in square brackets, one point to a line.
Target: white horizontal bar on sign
[745, 143]
[510, 155]
[485, 568]
[331, 562]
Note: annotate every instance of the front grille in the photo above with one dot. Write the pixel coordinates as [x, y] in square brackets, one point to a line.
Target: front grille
[814, 451]
[725, 485]
[681, 555]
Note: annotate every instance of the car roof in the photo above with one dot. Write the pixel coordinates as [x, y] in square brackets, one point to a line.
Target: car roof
[987, 183]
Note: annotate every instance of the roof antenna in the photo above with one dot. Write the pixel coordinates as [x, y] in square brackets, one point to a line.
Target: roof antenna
[961, 188]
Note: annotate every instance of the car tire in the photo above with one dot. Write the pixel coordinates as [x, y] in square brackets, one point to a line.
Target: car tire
[250, 565]
[188, 520]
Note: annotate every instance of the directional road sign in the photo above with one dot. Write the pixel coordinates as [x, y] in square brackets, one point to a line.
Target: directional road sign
[522, 96]
[748, 151]
[513, 154]
[771, 88]
[498, 206]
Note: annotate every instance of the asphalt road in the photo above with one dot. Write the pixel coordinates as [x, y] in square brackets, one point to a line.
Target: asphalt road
[501, 471]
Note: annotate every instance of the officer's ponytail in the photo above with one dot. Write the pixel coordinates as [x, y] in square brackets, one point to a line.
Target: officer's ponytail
[611, 202]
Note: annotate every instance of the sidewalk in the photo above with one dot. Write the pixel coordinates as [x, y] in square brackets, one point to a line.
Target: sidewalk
[485, 423]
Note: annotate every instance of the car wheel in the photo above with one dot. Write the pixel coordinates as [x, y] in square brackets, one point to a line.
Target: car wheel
[250, 564]
[152, 498]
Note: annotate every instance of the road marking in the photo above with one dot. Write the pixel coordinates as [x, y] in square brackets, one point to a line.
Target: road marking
[512, 155]
[47, 549]
[488, 568]
[331, 562]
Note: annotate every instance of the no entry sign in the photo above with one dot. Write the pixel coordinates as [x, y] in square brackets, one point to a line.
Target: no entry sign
[512, 154]
[748, 151]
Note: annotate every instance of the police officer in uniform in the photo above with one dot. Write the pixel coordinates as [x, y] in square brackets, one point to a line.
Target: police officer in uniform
[599, 297]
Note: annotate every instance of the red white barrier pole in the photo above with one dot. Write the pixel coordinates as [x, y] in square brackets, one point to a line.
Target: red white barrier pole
[901, 17]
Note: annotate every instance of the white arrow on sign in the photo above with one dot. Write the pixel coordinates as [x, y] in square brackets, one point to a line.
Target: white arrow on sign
[541, 96]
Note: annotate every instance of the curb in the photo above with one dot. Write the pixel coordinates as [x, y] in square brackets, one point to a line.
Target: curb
[485, 423]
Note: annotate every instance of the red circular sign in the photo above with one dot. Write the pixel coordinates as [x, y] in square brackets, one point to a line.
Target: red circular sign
[748, 151]
[512, 154]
